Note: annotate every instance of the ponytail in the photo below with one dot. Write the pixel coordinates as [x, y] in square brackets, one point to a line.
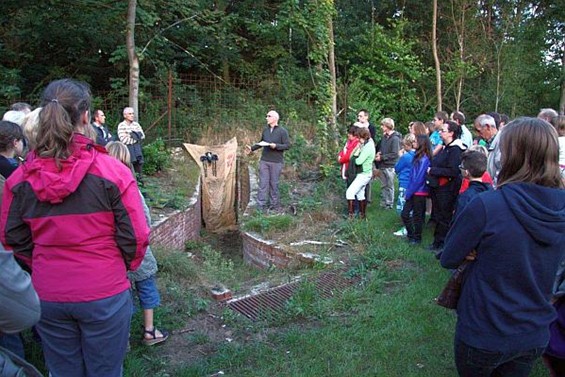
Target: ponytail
[64, 102]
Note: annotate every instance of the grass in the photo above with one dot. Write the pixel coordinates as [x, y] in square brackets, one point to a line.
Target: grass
[386, 325]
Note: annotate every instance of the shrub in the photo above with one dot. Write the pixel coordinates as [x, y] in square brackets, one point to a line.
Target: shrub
[156, 157]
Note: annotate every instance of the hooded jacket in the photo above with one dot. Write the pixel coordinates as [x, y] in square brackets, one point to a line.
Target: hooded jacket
[78, 226]
[518, 233]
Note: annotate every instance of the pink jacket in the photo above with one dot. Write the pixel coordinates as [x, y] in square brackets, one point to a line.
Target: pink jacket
[79, 226]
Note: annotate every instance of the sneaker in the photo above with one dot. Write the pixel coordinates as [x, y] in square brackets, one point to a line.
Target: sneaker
[401, 232]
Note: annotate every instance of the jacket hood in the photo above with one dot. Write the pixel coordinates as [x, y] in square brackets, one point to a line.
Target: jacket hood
[540, 210]
[52, 183]
[457, 143]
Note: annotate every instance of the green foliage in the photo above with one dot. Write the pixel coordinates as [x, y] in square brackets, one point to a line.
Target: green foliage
[386, 77]
[156, 156]
[301, 152]
[216, 267]
[265, 224]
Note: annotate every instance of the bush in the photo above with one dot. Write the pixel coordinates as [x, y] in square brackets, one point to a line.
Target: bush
[156, 156]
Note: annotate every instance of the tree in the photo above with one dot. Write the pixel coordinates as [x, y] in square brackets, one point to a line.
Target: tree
[133, 58]
[436, 57]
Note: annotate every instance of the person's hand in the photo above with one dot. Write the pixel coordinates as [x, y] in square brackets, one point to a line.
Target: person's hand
[378, 156]
[472, 255]
[272, 145]
[247, 149]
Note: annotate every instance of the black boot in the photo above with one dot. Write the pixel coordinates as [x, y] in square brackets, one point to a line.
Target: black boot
[362, 209]
[351, 208]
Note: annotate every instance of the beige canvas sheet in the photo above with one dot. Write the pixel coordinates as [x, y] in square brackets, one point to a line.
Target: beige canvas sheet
[218, 191]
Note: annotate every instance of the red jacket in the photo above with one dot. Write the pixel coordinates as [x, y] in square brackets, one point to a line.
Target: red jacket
[79, 226]
[345, 155]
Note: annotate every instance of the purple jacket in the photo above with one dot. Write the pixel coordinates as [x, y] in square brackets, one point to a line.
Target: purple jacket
[417, 180]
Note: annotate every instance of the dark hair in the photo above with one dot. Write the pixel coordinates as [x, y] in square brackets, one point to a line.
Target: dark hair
[363, 133]
[352, 130]
[474, 162]
[424, 147]
[419, 128]
[364, 111]
[529, 148]
[496, 117]
[459, 117]
[455, 128]
[64, 102]
[9, 132]
[442, 115]
[95, 114]
[504, 119]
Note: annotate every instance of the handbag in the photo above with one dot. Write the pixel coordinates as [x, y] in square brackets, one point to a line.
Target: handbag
[449, 296]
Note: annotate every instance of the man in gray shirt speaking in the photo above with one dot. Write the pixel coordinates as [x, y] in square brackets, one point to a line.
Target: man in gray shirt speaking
[274, 142]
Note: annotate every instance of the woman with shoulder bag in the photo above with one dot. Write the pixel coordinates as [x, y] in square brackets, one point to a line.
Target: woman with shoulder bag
[504, 311]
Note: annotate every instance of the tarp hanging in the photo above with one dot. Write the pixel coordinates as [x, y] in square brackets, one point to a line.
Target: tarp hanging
[217, 165]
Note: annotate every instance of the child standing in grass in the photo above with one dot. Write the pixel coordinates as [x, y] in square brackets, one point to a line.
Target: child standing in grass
[414, 210]
[144, 277]
[402, 170]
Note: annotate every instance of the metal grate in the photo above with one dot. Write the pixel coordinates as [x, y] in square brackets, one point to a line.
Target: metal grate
[274, 300]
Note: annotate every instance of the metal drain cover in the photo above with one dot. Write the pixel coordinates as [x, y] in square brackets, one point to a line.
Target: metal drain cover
[273, 301]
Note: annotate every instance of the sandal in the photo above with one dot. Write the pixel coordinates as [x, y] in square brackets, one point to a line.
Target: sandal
[153, 337]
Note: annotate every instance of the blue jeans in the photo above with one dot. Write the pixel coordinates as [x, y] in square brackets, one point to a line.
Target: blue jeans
[86, 339]
[147, 293]
[475, 362]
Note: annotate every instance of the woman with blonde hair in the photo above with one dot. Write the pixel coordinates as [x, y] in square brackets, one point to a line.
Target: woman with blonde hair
[515, 237]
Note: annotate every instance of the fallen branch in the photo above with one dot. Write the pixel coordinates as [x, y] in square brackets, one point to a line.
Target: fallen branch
[339, 243]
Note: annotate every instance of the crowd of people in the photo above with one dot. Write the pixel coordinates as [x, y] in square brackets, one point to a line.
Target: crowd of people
[59, 166]
[498, 203]
[496, 199]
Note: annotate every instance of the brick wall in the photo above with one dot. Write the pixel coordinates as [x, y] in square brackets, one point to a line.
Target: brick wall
[257, 251]
[263, 253]
[179, 227]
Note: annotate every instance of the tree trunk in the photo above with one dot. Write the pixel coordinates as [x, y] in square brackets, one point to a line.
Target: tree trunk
[133, 59]
[333, 77]
[436, 57]
[562, 102]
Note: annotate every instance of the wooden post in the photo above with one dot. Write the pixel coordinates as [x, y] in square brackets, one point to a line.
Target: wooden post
[170, 101]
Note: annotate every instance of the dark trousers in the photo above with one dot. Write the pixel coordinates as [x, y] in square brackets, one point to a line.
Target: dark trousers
[444, 199]
[86, 339]
[269, 173]
[475, 362]
[413, 214]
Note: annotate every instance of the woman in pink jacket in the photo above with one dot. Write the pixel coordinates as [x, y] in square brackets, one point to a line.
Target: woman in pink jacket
[74, 215]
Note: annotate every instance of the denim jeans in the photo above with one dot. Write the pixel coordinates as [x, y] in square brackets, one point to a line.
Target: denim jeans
[147, 293]
[475, 362]
[86, 339]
